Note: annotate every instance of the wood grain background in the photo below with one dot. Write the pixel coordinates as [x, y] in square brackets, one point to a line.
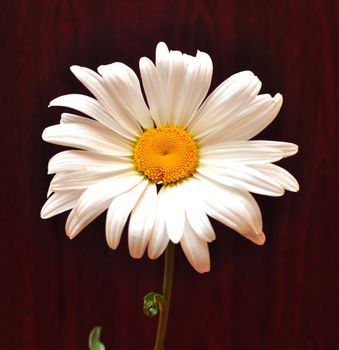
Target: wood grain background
[281, 296]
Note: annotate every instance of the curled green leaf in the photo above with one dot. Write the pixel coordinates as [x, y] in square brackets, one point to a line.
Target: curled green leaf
[152, 303]
[94, 342]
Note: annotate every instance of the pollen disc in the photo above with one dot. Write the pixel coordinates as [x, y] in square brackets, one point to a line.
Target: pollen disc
[166, 155]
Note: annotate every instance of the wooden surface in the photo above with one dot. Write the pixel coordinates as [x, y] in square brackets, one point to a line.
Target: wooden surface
[282, 296]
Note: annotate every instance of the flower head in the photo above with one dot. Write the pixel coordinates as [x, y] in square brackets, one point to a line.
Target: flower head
[168, 164]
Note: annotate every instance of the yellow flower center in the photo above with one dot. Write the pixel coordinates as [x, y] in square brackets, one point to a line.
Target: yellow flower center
[166, 155]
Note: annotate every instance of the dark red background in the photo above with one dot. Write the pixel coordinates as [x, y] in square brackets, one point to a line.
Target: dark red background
[281, 296]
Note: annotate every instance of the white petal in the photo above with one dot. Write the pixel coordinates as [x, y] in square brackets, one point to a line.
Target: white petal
[247, 152]
[259, 113]
[244, 178]
[161, 83]
[125, 87]
[253, 151]
[49, 191]
[195, 214]
[232, 96]
[95, 84]
[200, 224]
[162, 59]
[142, 221]
[119, 211]
[196, 250]
[95, 200]
[159, 237]
[80, 180]
[189, 79]
[234, 208]
[74, 160]
[154, 91]
[283, 177]
[70, 118]
[92, 108]
[286, 148]
[175, 213]
[197, 83]
[58, 203]
[174, 88]
[86, 137]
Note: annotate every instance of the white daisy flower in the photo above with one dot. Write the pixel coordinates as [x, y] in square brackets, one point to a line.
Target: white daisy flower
[168, 164]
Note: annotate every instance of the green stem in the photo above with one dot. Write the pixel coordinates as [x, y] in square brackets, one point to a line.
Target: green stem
[166, 293]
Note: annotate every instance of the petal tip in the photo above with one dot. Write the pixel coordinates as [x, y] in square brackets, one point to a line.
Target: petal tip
[101, 69]
[111, 244]
[43, 214]
[202, 269]
[70, 234]
[174, 239]
[296, 187]
[52, 103]
[162, 46]
[295, 149]
[44, 134]
[152, 255]
[260, 238]
[135, 254]
[74, 68]
[278, 98]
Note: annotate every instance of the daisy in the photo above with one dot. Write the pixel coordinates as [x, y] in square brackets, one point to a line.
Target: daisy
[168, 163]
